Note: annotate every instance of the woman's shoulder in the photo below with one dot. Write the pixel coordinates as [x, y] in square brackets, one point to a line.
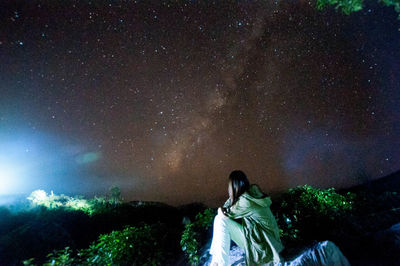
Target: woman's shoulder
[255, 197]
[255, 191]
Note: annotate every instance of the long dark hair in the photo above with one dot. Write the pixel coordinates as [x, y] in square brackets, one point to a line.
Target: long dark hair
[240, 184]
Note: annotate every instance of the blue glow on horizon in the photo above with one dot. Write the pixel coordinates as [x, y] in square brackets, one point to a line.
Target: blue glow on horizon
[30, 160]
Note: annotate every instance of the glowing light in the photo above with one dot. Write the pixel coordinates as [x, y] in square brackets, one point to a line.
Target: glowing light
[8, 177]
[31, 160]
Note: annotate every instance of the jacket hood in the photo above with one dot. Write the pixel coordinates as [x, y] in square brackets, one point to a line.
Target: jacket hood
[255, 194]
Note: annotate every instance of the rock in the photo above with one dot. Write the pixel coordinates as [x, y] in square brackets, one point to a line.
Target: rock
[322, 253]
[387, 243]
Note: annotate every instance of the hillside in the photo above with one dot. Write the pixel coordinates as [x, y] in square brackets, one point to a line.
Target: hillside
[357, 220]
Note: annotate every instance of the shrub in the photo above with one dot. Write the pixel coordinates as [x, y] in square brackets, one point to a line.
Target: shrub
[115, 195]
[194, 235]
[350, 6]
[136, 245]
[77, 203]
[61, 257]
[346, 6]
[130, 246]
[305, 210]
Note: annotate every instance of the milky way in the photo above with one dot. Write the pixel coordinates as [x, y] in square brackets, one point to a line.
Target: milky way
[166, 98]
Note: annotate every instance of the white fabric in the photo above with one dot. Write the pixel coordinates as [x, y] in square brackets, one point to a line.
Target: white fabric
[223, 230]
[226, 229]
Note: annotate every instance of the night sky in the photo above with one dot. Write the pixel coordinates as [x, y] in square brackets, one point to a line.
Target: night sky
[165, 98]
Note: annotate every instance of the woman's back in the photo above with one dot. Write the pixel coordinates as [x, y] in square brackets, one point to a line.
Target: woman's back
[259, 224]
[246, 218]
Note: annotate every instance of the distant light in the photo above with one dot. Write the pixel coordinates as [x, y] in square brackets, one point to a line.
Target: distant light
[8, 177]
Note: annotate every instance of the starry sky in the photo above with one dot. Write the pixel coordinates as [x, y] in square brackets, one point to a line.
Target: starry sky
[165, 98]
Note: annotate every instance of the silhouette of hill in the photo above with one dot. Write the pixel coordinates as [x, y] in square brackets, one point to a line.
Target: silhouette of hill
[390, 182]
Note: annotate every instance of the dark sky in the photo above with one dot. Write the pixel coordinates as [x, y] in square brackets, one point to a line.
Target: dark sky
[165, 98]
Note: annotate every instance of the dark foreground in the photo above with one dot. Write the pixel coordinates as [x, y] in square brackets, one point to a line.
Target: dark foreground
[361, 221]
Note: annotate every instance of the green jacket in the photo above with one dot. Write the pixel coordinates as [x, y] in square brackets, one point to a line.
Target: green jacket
[261, 230]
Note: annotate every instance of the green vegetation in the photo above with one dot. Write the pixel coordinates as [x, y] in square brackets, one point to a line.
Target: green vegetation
[350, 6]
[303, 213]
[115, 197]
[375, 210]
[347, 6]
[61, 257]
[133, 244]
[307, 210]
[78, 203]
[194, 235]
[100, 231]
[140, 245]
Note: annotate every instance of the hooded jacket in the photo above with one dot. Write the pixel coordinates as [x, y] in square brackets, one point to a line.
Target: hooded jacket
[260, 228]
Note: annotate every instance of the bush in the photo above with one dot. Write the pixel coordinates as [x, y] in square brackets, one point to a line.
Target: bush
[305, 211]
[350, 6]
[194, 235]
[130, 246]
[376, 211]
[77, 203]
[347, 6]
[61, 257]
[35, 238]
[136, 245]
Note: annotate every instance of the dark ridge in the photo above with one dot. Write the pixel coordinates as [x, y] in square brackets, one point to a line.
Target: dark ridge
[138, 203]
[390, 182]
[191, 210]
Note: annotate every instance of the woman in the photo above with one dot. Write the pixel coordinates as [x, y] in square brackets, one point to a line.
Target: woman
[246, 219]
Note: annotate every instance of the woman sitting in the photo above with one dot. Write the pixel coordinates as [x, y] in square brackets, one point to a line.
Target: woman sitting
[246, 219]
